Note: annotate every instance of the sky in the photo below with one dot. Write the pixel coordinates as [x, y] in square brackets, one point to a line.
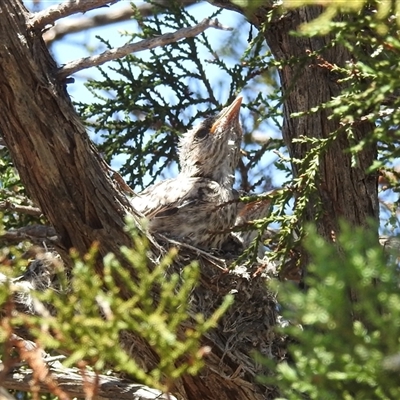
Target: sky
[82, 44]
[79, 45]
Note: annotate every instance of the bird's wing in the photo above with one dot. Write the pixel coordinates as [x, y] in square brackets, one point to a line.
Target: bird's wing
[167, 197]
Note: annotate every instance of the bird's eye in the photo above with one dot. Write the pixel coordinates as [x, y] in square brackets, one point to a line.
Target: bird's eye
[202, 133]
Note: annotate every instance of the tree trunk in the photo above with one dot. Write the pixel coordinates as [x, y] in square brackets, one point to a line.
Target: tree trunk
[344, 191]
[50, 148]
[67, 179]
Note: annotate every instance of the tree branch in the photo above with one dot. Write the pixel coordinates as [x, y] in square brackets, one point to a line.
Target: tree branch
[7, 205]
[146, 44]
[62, 29]
[73, 382]
[4, 395]
[36, 234]
[51, 14]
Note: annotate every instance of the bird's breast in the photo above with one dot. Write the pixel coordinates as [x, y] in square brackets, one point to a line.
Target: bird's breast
[197, 210]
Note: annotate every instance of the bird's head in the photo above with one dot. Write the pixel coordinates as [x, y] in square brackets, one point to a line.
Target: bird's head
[212, 148]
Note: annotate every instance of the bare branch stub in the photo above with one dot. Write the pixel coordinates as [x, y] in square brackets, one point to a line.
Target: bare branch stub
[37, 234]
[146, 44]
[30, 210]
[51, 14]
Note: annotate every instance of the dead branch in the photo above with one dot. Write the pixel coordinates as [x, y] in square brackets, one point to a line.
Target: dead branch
[124, 13]
[51, 14]
[7, 205]
[146, 44]
[72, 382]
[36, 234]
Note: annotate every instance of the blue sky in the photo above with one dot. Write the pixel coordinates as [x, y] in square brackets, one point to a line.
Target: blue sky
[81, 44]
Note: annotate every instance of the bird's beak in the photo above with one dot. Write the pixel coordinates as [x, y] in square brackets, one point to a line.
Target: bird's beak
[228, 114]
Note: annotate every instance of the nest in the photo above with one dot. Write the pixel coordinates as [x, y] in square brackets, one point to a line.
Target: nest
[248, 327]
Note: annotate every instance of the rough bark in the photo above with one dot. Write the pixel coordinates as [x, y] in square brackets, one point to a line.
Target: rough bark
[344, 191]
[73, 384]
[68, 180]
[61, 169]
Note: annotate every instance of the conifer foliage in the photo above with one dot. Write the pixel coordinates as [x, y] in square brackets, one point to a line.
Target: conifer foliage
[308, 309]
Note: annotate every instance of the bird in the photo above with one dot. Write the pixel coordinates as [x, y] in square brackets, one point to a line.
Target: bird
[245, 230]
[199, 206]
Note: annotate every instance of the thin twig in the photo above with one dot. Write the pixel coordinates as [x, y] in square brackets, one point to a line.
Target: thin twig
[217, 261]
[109, 17]
[146, 44]
[51, 14]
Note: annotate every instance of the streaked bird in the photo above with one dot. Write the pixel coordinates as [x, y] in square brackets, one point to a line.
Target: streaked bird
[247, 214]
[199, 206]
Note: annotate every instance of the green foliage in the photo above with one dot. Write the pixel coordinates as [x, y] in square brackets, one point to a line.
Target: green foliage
[345, 327]
[369, 85]
[144, 102]
[13, 193]
[370, 80]
[93, 315]
[371, 91]
[385, 10]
